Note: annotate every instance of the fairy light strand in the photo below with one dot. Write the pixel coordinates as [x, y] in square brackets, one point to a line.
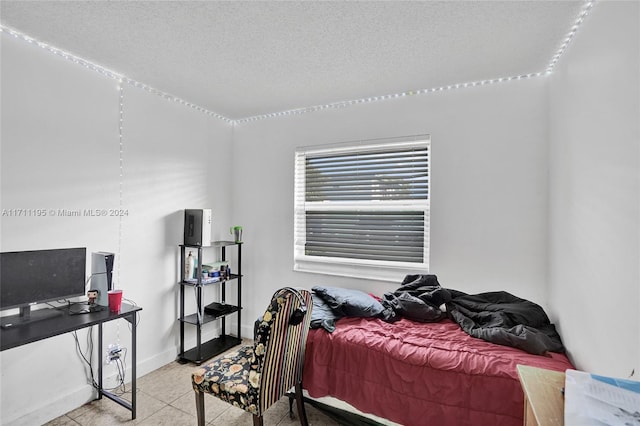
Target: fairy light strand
[574, 29]
[109, 73]
[370, 99]
[588, 5]
[121, 170]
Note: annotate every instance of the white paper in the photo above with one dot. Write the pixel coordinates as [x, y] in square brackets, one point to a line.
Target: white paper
[598, 400]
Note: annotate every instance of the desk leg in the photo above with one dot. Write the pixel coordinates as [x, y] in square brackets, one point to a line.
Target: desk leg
[101, 392]
[99, 360]
[133, 367]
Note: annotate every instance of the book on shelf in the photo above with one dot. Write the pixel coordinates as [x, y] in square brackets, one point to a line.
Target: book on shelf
[207, 280]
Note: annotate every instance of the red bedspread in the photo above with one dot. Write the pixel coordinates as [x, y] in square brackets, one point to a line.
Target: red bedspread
[420, 374]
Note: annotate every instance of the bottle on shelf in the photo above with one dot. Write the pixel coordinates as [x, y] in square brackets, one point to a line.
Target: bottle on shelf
[189, 266]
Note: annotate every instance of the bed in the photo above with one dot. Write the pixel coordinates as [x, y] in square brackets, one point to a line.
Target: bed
[419, 373]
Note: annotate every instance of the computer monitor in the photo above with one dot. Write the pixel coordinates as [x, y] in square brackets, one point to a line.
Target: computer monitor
[28, 278]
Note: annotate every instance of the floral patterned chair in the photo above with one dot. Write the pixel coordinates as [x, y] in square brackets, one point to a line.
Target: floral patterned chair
[254, 377]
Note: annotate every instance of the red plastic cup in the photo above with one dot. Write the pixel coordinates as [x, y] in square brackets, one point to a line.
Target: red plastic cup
[115, 300]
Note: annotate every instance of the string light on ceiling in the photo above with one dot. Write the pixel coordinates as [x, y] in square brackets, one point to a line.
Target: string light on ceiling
[344, 104]
[108, 73]
[588, 5]
[583, 14]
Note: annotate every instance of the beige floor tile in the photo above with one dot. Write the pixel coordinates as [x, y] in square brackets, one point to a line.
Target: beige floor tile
[213, 407]
[278, 411]
[79, 411]
[146, 405]
[170, 416]
[167, 383]
[232, 417]
[106, 412]
[62, 421]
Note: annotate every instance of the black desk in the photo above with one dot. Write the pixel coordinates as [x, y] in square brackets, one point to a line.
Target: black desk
[13, 337]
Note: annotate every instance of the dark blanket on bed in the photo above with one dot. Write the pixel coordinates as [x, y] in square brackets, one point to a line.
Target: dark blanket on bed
[418, 298]
[502, 318]
[497, 317]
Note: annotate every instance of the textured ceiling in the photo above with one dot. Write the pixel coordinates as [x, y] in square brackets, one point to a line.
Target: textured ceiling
[242, 59]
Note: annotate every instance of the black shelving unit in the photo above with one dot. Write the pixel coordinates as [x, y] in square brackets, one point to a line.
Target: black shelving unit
[202, 351]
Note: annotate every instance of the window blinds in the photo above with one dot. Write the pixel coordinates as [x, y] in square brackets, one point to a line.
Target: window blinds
[391, 236]
[388, 175]
[368, 203]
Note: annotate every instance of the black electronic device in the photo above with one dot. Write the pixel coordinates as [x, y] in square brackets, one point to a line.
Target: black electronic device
[197, 227]
[37, 276]
[219, 309]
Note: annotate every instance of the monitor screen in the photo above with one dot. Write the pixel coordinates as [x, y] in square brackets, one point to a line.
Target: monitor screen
[37, 276]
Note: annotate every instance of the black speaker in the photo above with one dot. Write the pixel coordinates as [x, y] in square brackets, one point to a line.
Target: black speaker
[197, 227]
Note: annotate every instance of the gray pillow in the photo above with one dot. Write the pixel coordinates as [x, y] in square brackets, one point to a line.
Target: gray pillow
[349, 302]
[322, 315]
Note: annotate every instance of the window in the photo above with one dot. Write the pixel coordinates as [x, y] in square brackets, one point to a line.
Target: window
[362, 209]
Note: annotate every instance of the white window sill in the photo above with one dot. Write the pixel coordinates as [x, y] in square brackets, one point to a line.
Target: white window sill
[342, 268]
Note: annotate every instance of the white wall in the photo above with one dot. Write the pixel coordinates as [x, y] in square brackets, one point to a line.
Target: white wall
[489, 187]
[595, 192]
[60, 149]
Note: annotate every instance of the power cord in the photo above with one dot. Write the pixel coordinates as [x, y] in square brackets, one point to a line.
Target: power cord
[92, 381]
[131, 302]
[118, 355]
[114, 354]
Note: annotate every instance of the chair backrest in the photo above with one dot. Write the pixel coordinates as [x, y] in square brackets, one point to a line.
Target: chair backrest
[279, 346]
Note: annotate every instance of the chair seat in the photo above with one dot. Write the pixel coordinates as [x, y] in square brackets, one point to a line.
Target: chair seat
[231, 379]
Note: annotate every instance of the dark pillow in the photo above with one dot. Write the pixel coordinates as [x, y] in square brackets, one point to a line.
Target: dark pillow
[349, 302]
[322, 315]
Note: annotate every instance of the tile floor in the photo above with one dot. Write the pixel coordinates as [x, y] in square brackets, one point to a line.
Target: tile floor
[165, 397]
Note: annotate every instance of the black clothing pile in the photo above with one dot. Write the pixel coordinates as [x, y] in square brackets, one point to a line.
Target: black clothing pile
[498, 317]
